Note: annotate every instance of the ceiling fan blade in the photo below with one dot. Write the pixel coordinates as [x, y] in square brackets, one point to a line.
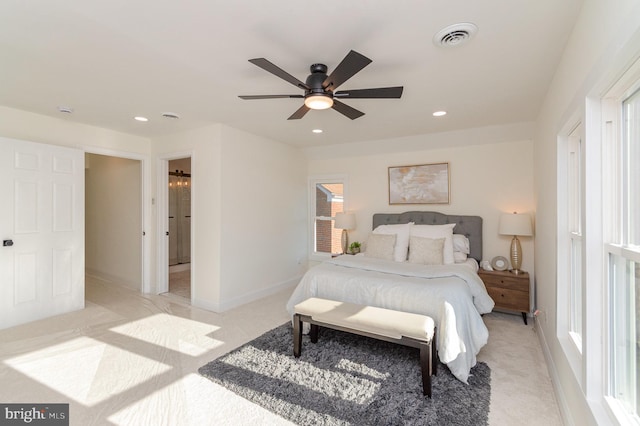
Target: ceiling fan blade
[345, 109]
[279, 72]
[350, 65]
[379, 93]
[249, 97]
[299, 113]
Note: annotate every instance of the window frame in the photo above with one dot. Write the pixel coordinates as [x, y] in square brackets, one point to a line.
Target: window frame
[570, 230]
[575, 210]
[615, 244]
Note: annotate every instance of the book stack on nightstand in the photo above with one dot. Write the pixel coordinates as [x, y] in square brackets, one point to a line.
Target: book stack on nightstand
[508, 290]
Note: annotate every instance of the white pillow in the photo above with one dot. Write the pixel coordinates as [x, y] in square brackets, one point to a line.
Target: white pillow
[401, 231]
[428, 251]
[380, 246]
[459, 257]
[461, 244]
[437, 231]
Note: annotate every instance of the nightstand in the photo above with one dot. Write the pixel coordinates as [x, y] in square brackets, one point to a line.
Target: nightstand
[508, 290]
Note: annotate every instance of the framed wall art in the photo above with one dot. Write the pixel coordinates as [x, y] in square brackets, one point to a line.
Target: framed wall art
[420, 184]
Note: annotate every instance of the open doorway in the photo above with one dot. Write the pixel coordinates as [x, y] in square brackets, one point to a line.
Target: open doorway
[179, 209]
[113, 220]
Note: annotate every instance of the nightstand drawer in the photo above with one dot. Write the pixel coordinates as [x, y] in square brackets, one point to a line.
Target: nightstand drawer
[506, 280]
[509, 299]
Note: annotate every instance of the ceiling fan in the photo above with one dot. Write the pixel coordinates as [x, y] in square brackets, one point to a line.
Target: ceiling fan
[319, 89]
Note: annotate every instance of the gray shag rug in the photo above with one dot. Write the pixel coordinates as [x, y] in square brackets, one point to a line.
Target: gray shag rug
[348, 379]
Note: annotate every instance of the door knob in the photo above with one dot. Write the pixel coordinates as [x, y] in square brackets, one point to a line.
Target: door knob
[7, 243]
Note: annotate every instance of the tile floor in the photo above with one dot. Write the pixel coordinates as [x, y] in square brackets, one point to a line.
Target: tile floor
[180, 282]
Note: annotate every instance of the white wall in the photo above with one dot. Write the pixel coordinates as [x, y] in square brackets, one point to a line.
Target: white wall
[488, 178]
[113, 219]
[264, 216]
[605, 39]
[249, 214]
[58, 131]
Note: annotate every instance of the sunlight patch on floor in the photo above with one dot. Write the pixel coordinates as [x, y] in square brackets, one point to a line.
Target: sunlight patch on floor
[184, 335]
[354, 367]
[334, 383]
[86, 370]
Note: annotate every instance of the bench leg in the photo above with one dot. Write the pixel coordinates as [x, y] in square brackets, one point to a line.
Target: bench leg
[297, 335]
[313, 333]
[434, 355]
[426, 365]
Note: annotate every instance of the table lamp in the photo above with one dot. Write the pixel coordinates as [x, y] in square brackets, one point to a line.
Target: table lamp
[345, 221]
[517, 225]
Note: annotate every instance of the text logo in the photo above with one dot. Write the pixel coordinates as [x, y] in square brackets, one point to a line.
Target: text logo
[34, 414]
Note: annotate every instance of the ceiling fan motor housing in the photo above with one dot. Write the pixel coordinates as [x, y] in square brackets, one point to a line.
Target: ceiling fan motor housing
[316, 78]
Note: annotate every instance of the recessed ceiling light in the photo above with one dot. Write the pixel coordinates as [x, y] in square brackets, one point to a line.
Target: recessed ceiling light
[139, 118]
[317, 130]
[65, 110]
[439, 113]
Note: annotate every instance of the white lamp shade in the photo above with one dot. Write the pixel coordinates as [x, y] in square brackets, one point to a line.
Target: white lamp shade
[515, 224]
[345, 220]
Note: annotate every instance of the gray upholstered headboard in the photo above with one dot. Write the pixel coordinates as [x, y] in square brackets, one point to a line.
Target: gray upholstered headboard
[470, 226]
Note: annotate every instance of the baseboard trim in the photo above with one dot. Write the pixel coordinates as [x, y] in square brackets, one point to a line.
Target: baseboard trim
[113, 279]
[226, 305]
[565, 412]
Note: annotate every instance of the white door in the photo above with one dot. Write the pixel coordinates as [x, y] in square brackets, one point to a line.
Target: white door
[42, 231]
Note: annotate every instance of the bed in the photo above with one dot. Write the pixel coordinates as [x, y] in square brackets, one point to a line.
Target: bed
[452, 294]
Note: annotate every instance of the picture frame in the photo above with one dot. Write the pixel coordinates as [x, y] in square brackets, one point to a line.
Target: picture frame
[419, 184]
[500, 263]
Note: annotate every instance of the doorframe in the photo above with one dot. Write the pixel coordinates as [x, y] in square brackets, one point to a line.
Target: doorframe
[162, 272]
[145, 211]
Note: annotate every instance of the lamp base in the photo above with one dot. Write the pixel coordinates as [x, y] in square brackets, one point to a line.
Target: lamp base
[516, 255]
[345, 241]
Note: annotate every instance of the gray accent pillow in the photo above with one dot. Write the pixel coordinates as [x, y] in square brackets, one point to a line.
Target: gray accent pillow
[381, 246]
[427, 251]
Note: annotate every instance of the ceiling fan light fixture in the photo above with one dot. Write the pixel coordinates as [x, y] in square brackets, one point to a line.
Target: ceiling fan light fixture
[318, 101]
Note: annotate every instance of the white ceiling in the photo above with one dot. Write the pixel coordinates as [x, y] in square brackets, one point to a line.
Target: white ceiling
[113, 60]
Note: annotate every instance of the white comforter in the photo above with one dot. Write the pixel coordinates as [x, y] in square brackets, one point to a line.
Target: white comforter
[453, 295]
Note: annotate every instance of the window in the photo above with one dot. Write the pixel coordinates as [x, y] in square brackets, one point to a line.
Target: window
[623, 255]
[571, 243]
[574, 210]
[326, 199]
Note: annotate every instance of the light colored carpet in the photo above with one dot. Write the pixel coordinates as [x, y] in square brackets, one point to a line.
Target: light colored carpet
[132, 359]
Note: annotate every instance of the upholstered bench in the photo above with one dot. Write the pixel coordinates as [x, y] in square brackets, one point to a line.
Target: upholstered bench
[405, 328]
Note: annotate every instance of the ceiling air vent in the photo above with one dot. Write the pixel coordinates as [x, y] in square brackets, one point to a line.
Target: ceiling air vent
[171, 115]
[455, 35]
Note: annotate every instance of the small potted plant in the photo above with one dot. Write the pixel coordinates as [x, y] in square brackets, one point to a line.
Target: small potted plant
[354, 247]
